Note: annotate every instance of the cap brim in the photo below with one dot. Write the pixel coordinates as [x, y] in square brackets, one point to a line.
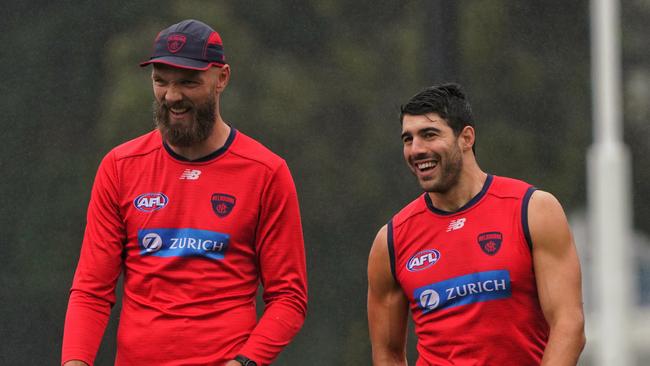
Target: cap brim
[182, 63]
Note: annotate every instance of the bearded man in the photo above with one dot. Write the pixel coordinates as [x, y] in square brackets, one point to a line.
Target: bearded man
[194, 215]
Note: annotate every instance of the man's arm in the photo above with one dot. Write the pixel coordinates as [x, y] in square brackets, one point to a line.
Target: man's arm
[281, 260]
[387, 308]
[93, 289]
[557, 272]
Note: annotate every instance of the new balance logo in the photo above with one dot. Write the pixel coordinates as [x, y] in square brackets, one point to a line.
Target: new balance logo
[190, 174]
[456, 224]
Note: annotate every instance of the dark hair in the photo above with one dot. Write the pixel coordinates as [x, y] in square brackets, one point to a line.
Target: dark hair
[446, 100]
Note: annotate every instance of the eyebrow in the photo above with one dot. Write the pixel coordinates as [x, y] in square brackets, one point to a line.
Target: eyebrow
[423, 130]
[193, 75]
[157, 75]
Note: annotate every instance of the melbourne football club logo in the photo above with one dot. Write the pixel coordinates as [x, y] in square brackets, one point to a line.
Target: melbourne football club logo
[490, 242]
[222, 204]
[148, 202]
[175, 42]
[423, 260]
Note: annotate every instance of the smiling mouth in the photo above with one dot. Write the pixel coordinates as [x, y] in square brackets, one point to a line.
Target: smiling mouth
[425, 166]
[178, 112]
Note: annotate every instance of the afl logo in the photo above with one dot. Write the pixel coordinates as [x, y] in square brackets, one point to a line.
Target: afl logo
[148, 202]
[151, 242]
[423, 260]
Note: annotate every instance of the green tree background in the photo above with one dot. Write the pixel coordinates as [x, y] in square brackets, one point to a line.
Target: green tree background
[320, 83]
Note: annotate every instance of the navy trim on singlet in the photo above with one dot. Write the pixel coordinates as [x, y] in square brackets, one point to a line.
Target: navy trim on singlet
[208, 157]
[472, 202]
[391, 248]
[524, 216]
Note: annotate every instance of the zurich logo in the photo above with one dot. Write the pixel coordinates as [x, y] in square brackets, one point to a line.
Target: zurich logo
[423, 260]
[464, 290]
[149, 202]
[183, 242]
[152, 242]
[429, 299]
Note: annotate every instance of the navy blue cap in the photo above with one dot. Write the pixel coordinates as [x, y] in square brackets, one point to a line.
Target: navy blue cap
[190, 44]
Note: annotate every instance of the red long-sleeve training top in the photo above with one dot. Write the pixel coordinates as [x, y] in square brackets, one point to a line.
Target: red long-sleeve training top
[193, 240]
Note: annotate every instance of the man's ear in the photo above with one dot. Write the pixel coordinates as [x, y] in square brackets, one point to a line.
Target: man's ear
[223, 77]
[466, 138]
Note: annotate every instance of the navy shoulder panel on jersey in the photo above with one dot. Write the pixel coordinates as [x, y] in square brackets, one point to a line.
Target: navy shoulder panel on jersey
[524, 216]
[391, 248]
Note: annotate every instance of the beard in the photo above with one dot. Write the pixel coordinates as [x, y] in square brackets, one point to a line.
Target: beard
[450, 170]
[185, 134]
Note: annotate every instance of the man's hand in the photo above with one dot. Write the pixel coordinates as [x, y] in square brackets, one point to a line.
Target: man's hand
[230, 363]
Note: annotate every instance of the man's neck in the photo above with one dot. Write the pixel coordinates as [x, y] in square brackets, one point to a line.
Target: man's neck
[216, 140]
[470, 183]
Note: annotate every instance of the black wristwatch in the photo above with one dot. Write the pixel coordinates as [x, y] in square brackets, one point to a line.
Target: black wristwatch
[245, 361]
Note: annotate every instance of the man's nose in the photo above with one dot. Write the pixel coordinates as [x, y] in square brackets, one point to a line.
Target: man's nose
[173, 95]
[418, 146]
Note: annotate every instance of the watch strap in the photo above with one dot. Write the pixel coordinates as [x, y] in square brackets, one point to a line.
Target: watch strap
[245, 361]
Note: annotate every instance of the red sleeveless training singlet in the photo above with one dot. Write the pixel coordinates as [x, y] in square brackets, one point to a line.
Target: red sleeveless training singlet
[468, 276]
